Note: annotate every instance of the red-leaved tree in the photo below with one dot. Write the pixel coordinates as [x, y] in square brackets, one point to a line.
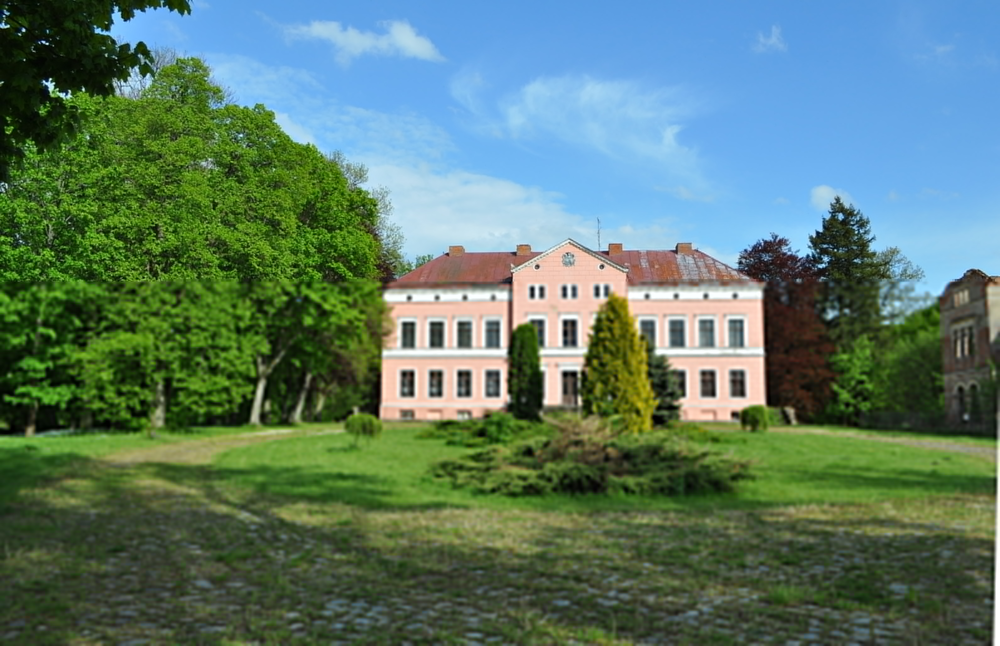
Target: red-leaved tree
[795, 339]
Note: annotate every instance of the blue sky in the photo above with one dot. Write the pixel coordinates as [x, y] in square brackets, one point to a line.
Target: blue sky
[494, 124]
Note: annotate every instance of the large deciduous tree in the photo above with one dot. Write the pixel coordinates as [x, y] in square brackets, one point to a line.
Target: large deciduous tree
[796, 343]
[615, 380]
[524, 373]
[55, 48]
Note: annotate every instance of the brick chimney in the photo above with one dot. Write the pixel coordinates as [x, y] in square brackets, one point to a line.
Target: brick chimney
[684, 248]
[456, 250]
[523, 250]
[614, 247]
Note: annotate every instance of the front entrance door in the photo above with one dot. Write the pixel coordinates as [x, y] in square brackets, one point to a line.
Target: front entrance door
[570, 388]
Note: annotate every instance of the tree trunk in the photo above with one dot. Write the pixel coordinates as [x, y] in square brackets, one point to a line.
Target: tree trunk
[300, 403]
[318, 406]
[29, 427]
[158, 416]
[258, 400]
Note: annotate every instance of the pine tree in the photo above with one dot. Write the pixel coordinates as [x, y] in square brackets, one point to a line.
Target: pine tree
[524, 374]
[852, 273]
[616, 380]
[665, 388]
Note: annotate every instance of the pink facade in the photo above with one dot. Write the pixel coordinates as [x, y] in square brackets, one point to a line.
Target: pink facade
[453, 317]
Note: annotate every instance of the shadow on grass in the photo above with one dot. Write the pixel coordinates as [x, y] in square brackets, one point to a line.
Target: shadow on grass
[24, 467]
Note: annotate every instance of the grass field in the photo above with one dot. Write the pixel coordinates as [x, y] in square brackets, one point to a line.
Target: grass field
[223, 538]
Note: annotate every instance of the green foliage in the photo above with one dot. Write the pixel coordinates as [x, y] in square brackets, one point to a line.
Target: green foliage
[497, 428]
[586, 457]
[524, 373]
[908, 374]
[56, 48]
[755, 418]
[665, 388]
[363, 425]
[615, 379]
[854, 389]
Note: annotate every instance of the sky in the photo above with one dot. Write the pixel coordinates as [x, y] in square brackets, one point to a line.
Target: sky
[649, 124]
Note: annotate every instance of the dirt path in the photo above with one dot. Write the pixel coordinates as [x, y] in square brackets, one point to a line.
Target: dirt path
[203, 451]
[981, 451]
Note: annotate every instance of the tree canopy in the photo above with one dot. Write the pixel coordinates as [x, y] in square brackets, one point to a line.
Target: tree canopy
[56, 48]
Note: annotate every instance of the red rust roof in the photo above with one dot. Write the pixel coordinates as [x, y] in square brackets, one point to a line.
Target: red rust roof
[644, 267]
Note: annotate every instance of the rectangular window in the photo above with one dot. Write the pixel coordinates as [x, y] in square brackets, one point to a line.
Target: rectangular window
[435, 383]
[465, 334]
[708, 383]
[492, 383]
[706, 333]
[677, 333]
[540, 328]
[464, 415]
[607, 291]
[681, 378]
[406, 414]
[737, 383]
[408, 334]
[536, 292]
[572, 291]
[647, 328]
[568, 291]
[492, 334]
[437, 334]
[569, 329]
[736, 339]
[464, 383]
[597, 291]
[531, 292]
[407, 383]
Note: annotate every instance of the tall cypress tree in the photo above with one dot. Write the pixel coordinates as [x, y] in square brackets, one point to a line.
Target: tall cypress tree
[616, 380]
[851, 273]
[524, 374]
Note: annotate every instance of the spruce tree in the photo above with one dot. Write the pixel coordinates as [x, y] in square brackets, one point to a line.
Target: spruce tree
[524, 374]
[616, 381]
[665, 388]
[851, 273]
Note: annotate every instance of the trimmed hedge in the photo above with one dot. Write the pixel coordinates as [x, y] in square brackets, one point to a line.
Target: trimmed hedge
[754, 418]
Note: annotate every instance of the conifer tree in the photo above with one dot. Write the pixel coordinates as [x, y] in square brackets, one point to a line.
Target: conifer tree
[851, 273]
[665, 388]
[616, 380]
[524, 374]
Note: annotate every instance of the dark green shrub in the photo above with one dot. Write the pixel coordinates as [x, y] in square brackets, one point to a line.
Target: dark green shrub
[363, 425]
[754, 418]
[499, 428]
[775, 416]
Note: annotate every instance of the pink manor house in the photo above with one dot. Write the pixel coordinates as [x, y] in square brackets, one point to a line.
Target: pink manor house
[453, 317]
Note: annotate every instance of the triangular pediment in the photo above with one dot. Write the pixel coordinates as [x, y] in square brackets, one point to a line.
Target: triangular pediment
[568, 242]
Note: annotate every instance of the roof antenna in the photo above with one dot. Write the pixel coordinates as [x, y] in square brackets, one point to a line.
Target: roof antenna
[598, 234]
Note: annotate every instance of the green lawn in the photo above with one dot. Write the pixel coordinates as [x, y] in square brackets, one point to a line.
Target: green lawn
[791, 469]
[300, 538]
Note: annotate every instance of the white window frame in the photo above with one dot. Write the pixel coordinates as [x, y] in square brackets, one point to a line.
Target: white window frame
[715, 371]
[399, 383]
[499, 394]
[579, 334]
[444, 331]
[736, 317]
[499, 320]
[472, 383]
[715, 330]
[545, 320]
[416, 332]
[569, 291]
[472, 331]
[684, 335]
[444, 386]
[536, 292]
[656, 327]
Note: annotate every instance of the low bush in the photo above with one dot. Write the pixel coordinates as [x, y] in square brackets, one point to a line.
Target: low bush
[585, 457]
[774, 416]
[363, 425]
[754, 418]
[497, 428]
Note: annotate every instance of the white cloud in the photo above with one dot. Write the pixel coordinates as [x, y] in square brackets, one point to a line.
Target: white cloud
[400, 39]
[255, 82]
[893, 196]
[821, 197]
[294, 130]
[781, 200]
[772, 43]
[623, 120]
